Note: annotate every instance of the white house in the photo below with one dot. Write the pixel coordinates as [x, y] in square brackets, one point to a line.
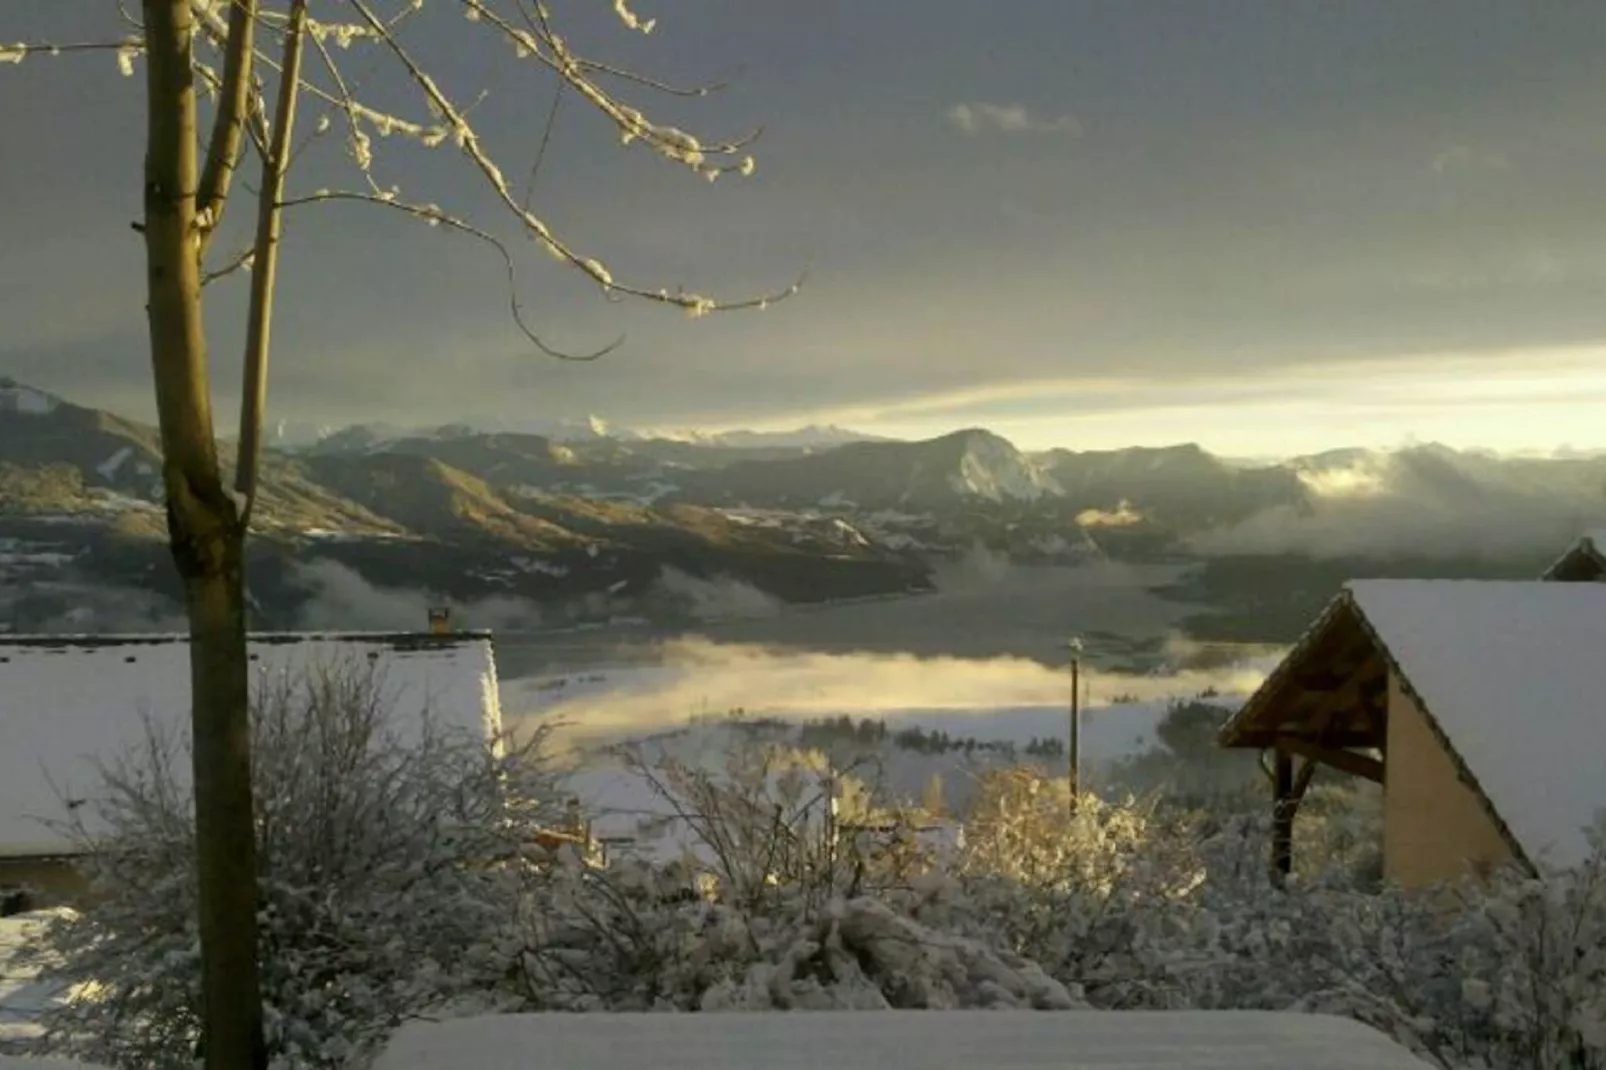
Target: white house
[68, 702]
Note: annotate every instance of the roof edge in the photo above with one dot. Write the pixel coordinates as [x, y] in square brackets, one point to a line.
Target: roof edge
[1230, 735]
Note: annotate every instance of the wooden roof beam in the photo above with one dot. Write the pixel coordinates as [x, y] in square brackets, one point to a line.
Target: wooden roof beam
[1346, 761]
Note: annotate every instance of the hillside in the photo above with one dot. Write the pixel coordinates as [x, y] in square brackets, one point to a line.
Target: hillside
[460, 517]
[39, 429]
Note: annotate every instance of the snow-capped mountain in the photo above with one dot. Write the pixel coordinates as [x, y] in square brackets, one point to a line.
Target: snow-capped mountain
[992, 469]
[589, 428]
[811, 437]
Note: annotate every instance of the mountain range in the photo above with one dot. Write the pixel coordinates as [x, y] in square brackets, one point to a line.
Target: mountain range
[594, 523]
[291, 435]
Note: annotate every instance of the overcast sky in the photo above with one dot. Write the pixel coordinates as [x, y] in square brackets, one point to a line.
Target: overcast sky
[1266, 225]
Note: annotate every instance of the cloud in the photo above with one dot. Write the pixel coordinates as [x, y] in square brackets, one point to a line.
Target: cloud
[1520, 398]
[720, 598]
[340, 599]
[976, 117]
[1427, 502]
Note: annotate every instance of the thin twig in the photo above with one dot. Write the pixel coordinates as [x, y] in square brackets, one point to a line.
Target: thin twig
[241, 261]
[435, 216]
[546, 140]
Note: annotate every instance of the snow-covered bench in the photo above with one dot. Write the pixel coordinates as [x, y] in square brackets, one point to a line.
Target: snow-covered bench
[899, 1040]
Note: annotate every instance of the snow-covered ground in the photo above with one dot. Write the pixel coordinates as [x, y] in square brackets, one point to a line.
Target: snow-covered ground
[21, 999]
[901, 1040]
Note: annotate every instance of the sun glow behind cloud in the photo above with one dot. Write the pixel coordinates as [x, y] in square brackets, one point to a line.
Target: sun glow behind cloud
[1528, 399]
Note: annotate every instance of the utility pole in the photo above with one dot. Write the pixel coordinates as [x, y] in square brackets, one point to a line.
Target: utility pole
[1074, 751]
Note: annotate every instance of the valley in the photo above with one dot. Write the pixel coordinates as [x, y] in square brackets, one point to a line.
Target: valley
[364, 527]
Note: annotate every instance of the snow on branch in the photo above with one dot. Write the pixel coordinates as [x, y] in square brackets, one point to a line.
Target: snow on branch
[545, 45]
[128, 49]
[237, 41]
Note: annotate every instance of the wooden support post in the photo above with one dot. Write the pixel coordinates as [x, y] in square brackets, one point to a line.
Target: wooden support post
[1282, 829]
[1074, 749]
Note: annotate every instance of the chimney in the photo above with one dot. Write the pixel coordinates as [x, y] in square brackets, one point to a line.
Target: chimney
[440, 620]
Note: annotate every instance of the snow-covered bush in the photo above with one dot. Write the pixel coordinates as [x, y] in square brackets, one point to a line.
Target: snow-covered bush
[781, 900]
[774, 821]
[1095, 893]
[397, 880]
[1530, 966]
[1158, 908]
[631, 938]
[390, 879]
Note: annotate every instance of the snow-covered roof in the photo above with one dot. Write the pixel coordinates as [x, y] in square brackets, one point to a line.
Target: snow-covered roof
[67, 700]
[901, 1040]
[1585, 559]
[1511, 673]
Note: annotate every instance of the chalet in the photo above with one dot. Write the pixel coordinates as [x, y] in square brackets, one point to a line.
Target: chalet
[1584, 562]
[1479, 706]
[66, 701]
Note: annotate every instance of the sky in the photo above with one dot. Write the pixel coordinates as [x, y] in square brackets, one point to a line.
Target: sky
[1270, 226]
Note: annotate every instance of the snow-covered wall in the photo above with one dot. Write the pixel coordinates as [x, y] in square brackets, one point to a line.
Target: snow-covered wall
[1435, 827]
[67, 701]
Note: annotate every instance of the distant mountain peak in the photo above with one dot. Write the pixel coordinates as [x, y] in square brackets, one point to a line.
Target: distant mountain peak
[991, 467]
[808, 437]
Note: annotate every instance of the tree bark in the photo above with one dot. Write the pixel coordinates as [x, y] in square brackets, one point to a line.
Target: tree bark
[207, 539]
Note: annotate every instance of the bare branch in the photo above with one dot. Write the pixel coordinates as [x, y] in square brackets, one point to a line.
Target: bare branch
[673, 142]
[259, 318]
[129, 17]
[126, 49]
[546, 141]
[548, 47]
[435, 216]
[355, 138]
[611, 71]
[228, 125]
[241, 261]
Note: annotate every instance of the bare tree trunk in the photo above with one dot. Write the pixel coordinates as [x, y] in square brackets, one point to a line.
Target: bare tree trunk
[208, 540]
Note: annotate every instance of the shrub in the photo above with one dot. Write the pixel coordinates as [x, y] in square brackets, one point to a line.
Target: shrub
[389, 880]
